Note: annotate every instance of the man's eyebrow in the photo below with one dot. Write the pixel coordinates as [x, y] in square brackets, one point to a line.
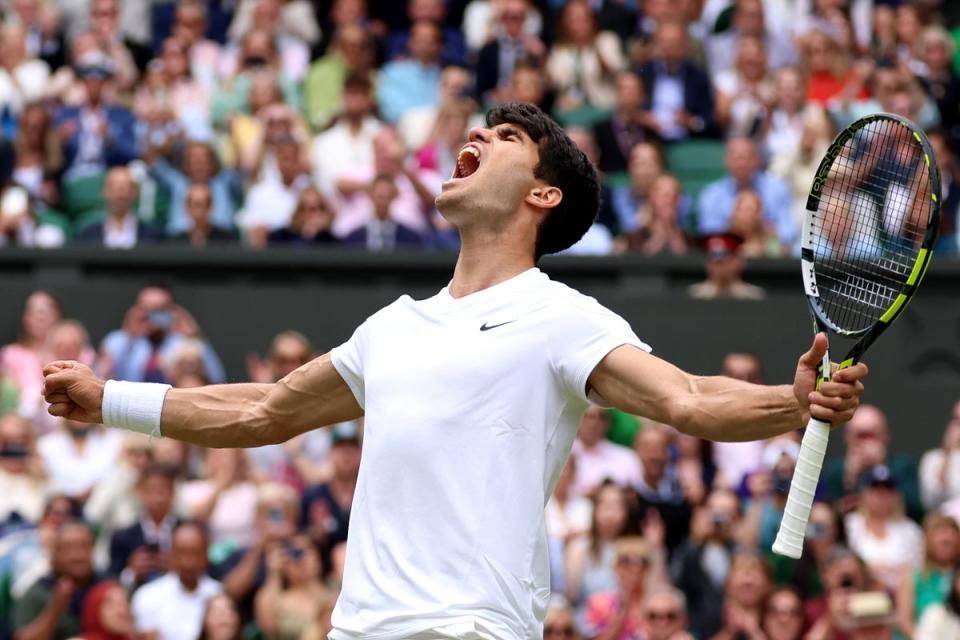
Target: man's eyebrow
[516, 127]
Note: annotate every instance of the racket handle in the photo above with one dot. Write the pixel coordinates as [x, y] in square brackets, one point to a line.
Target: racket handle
[803, 487]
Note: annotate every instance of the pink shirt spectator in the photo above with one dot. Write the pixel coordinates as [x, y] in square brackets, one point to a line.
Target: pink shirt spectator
[602, 609]
[232, 519]
[25, 369]
[356, 210]
[605, 460]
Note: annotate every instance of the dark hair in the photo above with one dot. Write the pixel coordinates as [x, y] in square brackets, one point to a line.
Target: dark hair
[952, 603]
[561, 165]
[154, 469]
[192, 524]
[358, 82]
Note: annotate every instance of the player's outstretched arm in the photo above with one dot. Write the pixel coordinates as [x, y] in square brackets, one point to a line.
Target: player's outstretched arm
[721, 408]
[227, 415]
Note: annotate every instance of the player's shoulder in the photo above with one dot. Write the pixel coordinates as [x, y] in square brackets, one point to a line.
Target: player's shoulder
[561, 298]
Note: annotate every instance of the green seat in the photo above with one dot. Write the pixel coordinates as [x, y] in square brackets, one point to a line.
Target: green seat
[87, 219]
[46, 215]
[83, 194]
[585, 116]
[696, 163]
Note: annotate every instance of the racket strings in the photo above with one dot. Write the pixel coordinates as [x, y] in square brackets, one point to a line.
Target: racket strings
[870, 223]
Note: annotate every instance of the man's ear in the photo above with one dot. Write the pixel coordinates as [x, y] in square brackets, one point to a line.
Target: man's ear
[544, 197]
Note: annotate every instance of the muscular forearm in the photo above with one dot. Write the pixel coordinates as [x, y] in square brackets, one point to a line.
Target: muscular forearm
[225, 415]
[729, 410]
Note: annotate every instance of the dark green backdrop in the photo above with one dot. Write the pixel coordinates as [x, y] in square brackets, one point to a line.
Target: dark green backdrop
[241, 299]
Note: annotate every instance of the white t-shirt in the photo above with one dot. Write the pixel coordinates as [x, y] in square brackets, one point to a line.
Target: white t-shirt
[165, 606]
[74, 472]
[471, 407]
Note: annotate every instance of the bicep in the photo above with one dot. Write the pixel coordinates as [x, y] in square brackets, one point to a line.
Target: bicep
[311, 396]
[642, 384]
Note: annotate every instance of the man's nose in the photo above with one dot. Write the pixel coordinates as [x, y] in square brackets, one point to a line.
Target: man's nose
[480, 134]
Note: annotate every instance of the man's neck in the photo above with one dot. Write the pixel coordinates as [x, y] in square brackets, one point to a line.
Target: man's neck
[190, 586]
[652, 481]
[484, 263]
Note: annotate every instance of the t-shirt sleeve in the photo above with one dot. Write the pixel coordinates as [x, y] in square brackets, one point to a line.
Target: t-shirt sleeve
[347, 359]
[584, 334]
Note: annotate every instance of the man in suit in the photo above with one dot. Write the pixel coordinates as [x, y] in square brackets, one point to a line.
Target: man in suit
[98, 134]
[119, 228]
[628, 125]
[381, 233]
[498, 58]
[678, 92]
[139, 553]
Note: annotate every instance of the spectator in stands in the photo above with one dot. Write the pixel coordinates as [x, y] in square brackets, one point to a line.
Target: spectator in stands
[657, 222]
[844, 574]
[258, 55]
[735, 459]
[127, 56]
[221, 621]
[645, 165]
[940, 468]
[23, 225]
[223, 498]
[353, 53]
[417, 189]
[119, 227]
[293, 594]
[659, 489]
[942, 619]
[725, 267]
[743, 166]
[748, 585]
[628, 125]
[745, 92]
[270, 203]
[78, 455]
[678, 92]
[289, 350]
[783, 614]
[879, 531]
[98, 133]
[447, 136]
[44, 35]
[828, 68]
[245, 570]
[598, 239]
[205, 55]
[139, 553]
[589, 565]
[177, 90]
[767, 487]
[325, 507]
[453, 45]
[948, 238]
[310, 224]
[701, 565]
[930, 583]
[881, 85]
[415, 81]
[618, 614]
[382, 233]
[567, 518]
[583, 63]
[347, 146]
[498, 58]
[23, 476]
[528, 85]
[598, 458]
[665, 614]
[152, 328]
[939, 77]
[114, 503]
[22, 78]
[172, 606]
[199, 210]
[559, 621]
[39, 155]
[824, 534]
[867, 441]
[270, 123]
[292, 27]
[21, 361]
[106, 613]
[52, 607]
[747, 21]
[759, 238]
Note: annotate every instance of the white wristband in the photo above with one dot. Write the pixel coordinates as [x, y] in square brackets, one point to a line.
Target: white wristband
[135, 406]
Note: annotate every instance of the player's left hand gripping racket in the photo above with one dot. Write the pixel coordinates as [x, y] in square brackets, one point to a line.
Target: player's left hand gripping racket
[868, 234]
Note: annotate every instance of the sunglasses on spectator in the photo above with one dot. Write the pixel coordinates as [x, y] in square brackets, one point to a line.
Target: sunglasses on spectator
[565, 631]
[670, 616]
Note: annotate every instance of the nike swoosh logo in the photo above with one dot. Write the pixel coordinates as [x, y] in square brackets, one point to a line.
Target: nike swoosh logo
[487, 327]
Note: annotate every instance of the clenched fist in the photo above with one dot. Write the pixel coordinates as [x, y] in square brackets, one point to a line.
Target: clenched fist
[73, 391]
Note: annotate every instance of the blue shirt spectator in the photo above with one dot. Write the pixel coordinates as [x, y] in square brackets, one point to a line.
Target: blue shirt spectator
[743, 166]
[406, 84]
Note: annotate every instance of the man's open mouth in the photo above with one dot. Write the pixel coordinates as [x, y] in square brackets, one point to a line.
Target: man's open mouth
[468, 161]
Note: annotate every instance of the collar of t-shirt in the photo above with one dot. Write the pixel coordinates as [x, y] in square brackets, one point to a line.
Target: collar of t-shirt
[504, 288]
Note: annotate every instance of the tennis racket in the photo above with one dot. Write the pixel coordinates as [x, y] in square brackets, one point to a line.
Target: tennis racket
[867, 239]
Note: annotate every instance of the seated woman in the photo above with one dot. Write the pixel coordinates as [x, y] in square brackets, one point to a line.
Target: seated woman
[310, 223]
[747, 221]
[657, 220]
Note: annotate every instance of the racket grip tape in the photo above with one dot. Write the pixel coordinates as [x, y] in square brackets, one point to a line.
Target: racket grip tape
[803, 488]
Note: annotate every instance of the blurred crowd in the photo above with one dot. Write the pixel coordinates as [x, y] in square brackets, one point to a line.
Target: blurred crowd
[653, 535]
[306, 122]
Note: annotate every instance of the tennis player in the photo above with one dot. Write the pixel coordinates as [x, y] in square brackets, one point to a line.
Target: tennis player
[471, 401]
